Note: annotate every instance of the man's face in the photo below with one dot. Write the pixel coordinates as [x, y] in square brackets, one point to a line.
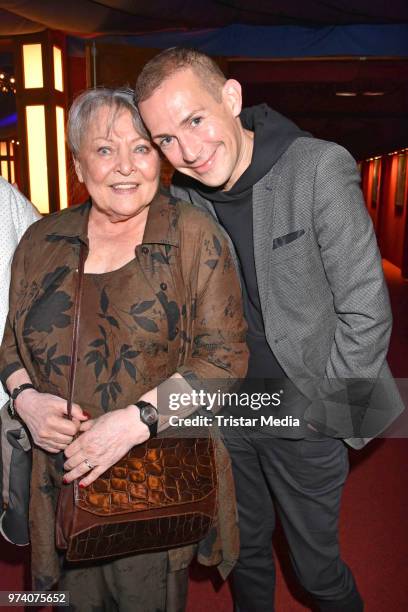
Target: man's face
[200, 136]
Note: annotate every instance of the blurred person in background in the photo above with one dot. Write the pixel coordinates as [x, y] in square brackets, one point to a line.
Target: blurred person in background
[16, 215]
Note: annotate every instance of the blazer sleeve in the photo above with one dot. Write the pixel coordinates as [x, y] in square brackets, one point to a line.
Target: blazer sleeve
[353, 267]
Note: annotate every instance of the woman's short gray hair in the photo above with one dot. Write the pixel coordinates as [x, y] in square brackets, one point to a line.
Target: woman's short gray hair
[85, 106]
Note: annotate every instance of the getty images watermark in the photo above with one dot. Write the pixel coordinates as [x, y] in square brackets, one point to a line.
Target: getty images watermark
[210, 401]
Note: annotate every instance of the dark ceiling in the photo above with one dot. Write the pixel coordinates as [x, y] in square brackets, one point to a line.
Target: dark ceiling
[130, 16]
[305, 90]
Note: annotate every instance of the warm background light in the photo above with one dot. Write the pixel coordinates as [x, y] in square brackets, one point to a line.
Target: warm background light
[4, 170]
[12, 172]
[37, 157]
[3, 148]
[62, 166]
[58, 80]
[346, 94]
[32, 66]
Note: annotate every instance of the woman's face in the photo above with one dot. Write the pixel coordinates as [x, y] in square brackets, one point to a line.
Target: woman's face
[120, 168]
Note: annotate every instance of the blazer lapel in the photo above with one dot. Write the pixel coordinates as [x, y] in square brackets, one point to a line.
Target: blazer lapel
[263, 202]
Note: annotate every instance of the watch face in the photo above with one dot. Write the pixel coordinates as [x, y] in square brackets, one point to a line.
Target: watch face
[149, 415]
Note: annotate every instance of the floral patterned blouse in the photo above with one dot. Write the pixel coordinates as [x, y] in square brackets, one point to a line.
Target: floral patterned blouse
[176, 307]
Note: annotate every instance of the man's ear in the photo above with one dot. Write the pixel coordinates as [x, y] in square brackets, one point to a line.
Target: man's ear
[232, 96]
[77, 166]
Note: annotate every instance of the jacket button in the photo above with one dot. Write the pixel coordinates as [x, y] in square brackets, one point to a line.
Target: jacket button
[163, 286]
[145, 250]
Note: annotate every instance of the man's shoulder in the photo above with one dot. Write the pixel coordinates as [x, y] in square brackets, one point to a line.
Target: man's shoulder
[13, 200]
[313, 148]
[6, 203]
[17, 212]
[306, 157]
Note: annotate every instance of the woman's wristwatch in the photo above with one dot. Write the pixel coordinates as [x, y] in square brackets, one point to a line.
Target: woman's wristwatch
[149, 416]
[14, 395]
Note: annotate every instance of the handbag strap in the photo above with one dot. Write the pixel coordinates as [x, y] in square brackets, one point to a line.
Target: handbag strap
[75, 328]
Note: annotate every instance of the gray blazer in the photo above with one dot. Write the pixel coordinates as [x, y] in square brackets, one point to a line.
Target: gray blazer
[323, 296]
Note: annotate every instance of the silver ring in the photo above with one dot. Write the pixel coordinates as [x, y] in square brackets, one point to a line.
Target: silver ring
[88, 464]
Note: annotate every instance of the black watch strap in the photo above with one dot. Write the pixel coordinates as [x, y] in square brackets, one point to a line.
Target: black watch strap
[14, 395]
[149, 416]
[17, 390]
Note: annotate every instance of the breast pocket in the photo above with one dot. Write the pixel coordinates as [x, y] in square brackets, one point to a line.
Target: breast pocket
[293, 244]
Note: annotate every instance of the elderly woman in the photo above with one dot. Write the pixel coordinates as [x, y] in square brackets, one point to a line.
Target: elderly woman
[160, 299]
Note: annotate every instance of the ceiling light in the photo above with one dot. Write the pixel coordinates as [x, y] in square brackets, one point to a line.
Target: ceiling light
[7, 83]
[346, 94]
[373, 93]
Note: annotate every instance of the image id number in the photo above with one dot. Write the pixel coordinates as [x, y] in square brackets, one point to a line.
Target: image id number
[34, 598]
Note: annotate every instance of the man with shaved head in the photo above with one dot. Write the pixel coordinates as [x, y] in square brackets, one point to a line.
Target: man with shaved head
[316, 305]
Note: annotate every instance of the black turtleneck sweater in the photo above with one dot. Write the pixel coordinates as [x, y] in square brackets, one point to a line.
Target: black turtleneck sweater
[273, 134]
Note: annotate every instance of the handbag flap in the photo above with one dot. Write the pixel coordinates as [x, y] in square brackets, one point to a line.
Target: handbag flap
[161, 473]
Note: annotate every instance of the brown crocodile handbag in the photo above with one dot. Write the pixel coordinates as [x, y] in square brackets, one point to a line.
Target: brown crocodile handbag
[162, 494]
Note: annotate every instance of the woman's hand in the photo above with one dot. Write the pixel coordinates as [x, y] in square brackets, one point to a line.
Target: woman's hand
[45, 416]
[105, 440]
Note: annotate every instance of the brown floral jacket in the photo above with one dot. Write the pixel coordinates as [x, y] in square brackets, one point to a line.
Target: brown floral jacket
[177, 308]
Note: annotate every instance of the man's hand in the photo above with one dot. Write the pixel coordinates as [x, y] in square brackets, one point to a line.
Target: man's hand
[103, 442]
[45, 416]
